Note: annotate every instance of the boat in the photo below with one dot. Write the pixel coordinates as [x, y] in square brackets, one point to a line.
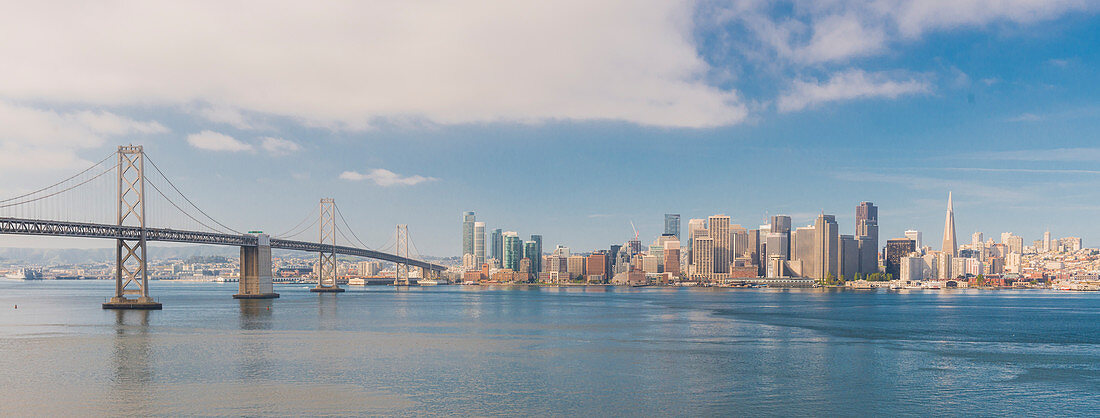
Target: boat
[24, 274]
[430, 282]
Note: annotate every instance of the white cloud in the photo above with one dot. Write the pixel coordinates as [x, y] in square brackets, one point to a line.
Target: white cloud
[279, 146]
[847, 85]
[344, 65]
[214, 141]
[36, 139]
[225, 114]
[385, 178]
[840, 37]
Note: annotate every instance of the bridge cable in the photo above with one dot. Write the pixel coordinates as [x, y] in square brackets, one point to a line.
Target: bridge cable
[189, 200]
[295, 228]
[57, 192]
[62, 181]
[350, 229]
[295, 234]
[180, 209]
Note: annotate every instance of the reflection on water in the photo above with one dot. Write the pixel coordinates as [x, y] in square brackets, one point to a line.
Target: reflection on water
[488, 350]
[133, 370]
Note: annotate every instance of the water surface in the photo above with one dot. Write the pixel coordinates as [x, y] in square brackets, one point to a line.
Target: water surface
[548, 351]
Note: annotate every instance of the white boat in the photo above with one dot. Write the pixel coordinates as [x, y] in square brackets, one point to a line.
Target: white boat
[24, 274]
[430, 282]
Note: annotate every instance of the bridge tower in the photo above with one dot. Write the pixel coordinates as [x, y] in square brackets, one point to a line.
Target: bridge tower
[131, 266]
[402, 276]
[326, 264]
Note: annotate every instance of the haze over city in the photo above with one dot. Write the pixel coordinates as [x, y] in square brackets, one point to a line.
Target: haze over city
[540, 120]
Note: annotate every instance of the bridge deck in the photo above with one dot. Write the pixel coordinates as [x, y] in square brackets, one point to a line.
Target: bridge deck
[17, 226]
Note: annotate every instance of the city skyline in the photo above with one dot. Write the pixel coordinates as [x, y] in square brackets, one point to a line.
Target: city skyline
[995, 103]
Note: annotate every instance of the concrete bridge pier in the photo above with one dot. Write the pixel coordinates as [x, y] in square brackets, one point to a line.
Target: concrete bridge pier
[255, 280]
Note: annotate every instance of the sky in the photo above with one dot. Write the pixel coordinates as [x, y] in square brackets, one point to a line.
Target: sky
[570, 119]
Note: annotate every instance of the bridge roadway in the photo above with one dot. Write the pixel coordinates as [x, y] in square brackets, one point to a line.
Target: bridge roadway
[18, 226]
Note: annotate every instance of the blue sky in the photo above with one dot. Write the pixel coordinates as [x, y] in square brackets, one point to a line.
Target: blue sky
[573, 120]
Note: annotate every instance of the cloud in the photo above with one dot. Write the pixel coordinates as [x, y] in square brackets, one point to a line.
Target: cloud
[848, 85]
[346, 65]
[840, 37]
[1026, 117]
[279, 146]
[1045, 155]
[214, 141]
[385, 178]
[37, 139]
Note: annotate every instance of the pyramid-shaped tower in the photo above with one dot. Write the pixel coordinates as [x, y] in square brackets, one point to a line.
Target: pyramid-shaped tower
[949, 243]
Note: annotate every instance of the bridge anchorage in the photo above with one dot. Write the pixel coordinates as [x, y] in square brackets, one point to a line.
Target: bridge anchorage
[326, 263]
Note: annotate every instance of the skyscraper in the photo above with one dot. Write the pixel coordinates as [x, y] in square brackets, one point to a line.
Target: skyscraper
[916, 236]
[536, 259]
[976, 239]
[703, 249]
[781, 224]
[672, 224]
[513, 251]
[949, 244]
[531, 252]
[867, 237]
[696, 228]
[896, 249]
[826, 251]
[468, 220]
[479, 242]
[719, 231]
[496, 245]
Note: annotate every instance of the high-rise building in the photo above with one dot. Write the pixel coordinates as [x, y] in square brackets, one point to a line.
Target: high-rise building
[536, 259]
[596, 267]
[468, 220]
[1047, 245]
[976, 240]
[513, 250]
[672, 258]
[847, 257]
[949, 244]
[780, 224]
[696, 228]
[802, 258]
[915, 235]
[496, 245]
[867, 237]
[896, 249]
[702, 248]
[575, 265]
[826, 251]
[479, 242]
[530, 251]
[719, 231]
[672, 224]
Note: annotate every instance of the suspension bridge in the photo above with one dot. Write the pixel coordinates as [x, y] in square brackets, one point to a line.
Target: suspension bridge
[93, 204]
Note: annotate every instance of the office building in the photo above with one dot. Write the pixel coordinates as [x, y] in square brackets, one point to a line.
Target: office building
[867, 237]
[479, 242]
[530, 251]
[468, 220]
[672, 224]
[702, 248]
[496, 245]
[949, 244]
[976, 240]
[536, 259]
[696, 228]
[916, 236]
[847, 257]
[718, 229]
[575, 265]
[896, 249]
[513, 250]
[596, 267]
[827, 237]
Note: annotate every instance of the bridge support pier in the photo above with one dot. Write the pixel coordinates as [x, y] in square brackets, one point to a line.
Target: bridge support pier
[326, 263]
[131, 266]
[255, 279]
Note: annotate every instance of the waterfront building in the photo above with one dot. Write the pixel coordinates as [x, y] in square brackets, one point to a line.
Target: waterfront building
[479, 242]
[703, 265]
[536, 260]
[468, 220]
[596, 267]
[896, 249]
[867, 237]
[802, 251]
[672, 224]
[696, 228]
[847, 257]
[949, 244]
[513, 250]
[556, 263]
[524, 270]
[777, 244]
[530, 251]
[649, 264]
[826, 251]
[496, 244]
[575, 265]
[718, 230]
[672, 258]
